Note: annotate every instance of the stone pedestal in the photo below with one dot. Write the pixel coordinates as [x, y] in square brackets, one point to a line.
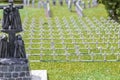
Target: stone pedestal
[14, 71]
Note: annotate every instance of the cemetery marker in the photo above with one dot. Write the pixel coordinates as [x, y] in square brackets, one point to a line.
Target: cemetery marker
[13, 60]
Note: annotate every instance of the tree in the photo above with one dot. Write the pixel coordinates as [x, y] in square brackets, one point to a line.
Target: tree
[16, 1]
[113, 8]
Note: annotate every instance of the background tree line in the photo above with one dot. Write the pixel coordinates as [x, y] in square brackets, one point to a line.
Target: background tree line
[113, 8]
[16, 1]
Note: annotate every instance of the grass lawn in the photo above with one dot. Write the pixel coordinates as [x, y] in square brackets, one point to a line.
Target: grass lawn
[80, 70]
[72, 70]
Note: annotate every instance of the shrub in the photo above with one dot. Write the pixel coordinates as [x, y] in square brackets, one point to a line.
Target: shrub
[113, 8]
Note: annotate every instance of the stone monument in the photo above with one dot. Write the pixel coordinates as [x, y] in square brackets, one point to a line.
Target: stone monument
[13, 61]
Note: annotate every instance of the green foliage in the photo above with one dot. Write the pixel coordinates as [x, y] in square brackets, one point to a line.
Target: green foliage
[80, 70]
[113, 8]
[16, 1]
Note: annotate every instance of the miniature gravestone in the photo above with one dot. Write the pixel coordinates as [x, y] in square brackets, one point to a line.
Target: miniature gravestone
[13, 61]
[47, 9]
[94, 3]
[79, 10]
[79, 2]
[66, 1]
[74, 1]
[89, 4]
[33, 3]
[83, 4]
[61, 2]
[39, 4]
[54, 2]
[25, 2]
[47, 1]
[70, 5]
[28, 2]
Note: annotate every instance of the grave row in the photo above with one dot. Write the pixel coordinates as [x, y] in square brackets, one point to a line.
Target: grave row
[79, 4]
[84, 4]
[41, 3]
[73, 36]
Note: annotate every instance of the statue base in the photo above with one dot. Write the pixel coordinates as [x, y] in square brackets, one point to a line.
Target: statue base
[14, 69]
[11, 31]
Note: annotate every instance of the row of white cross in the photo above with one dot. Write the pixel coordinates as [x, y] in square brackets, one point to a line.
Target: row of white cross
[81, 37]
[73, 36]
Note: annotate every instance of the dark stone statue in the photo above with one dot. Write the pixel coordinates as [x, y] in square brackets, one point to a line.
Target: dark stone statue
[13, 46]
[13, 59]
[11, 18]
[3, 47]
[19, 47]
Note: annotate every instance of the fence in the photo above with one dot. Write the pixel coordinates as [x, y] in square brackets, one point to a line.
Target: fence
[72, 39]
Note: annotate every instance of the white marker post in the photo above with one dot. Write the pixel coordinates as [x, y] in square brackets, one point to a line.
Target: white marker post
[48, 10]
[79, 9]
[70, 5]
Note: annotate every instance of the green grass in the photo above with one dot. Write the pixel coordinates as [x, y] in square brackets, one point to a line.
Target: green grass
[96, 12]
[69, 70]
[80, 70]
